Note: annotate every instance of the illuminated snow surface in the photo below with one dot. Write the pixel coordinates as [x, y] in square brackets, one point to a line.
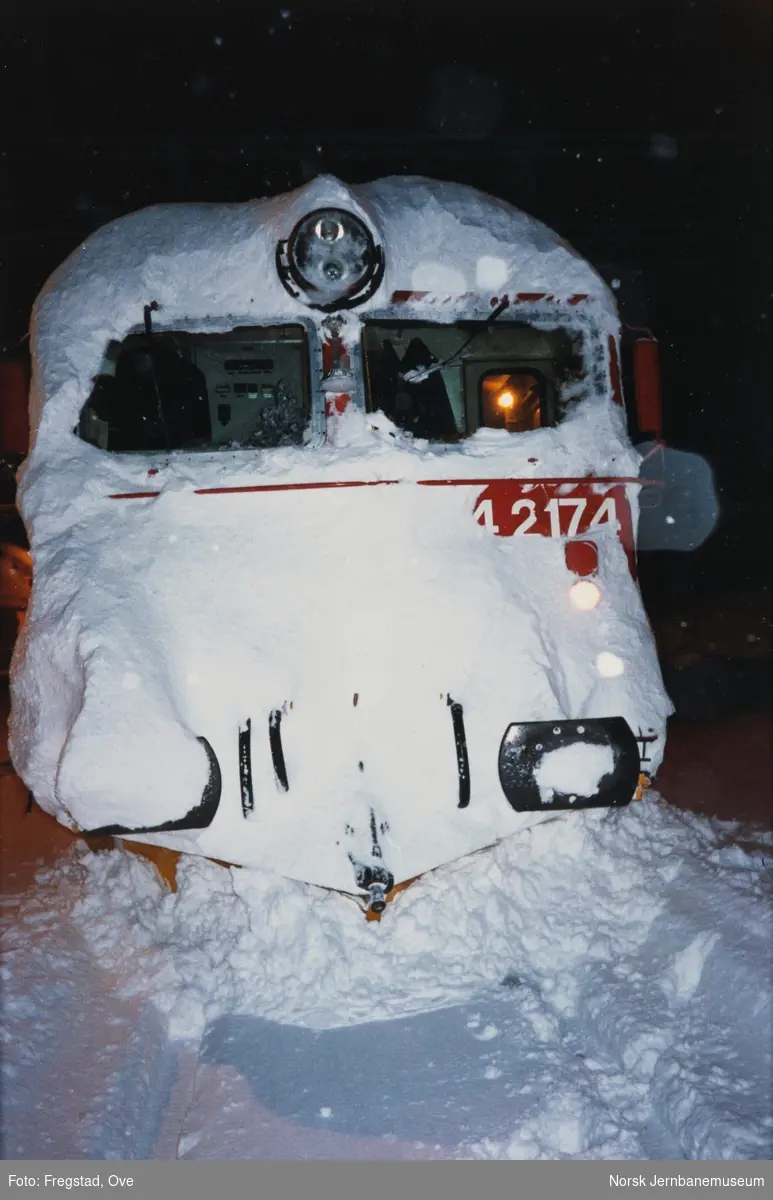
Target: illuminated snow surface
[598, 987]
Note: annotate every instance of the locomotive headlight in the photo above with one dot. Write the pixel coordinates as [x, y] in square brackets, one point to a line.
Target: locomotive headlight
[585, 595]
[331, 258]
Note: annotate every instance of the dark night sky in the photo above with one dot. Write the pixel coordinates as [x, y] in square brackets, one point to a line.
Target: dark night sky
[639, 129]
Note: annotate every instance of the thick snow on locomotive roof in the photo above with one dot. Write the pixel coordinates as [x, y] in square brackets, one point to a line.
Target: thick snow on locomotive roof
[214, 266]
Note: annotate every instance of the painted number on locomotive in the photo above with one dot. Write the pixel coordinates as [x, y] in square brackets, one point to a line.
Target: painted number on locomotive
[509, 510]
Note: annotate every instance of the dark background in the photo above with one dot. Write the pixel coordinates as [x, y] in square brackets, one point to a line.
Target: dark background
[639, 130]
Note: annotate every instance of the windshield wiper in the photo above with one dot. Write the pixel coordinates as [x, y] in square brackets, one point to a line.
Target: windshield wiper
[419, 374]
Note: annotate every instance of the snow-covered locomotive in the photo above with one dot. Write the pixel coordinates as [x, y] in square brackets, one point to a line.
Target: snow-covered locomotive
[332, 506]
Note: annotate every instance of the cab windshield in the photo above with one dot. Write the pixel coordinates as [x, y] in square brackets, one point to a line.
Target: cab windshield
[196, 392]
[443, 382]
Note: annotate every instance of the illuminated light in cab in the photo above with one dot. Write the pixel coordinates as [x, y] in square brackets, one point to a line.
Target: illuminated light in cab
[511, 401]
[585, 595]
[608, 665]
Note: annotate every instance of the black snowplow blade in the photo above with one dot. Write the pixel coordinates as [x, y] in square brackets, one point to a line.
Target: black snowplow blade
[525, 746]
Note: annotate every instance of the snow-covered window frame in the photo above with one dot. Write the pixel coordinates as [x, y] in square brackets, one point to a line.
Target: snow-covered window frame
[220, 383]
[559, 395]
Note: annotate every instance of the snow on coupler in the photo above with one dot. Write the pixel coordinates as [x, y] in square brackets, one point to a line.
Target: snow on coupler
[333, 510]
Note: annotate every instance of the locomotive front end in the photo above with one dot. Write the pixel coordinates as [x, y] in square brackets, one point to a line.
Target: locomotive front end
[333, 509]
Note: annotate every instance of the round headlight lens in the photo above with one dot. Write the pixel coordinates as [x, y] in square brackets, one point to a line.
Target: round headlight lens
[332, 258]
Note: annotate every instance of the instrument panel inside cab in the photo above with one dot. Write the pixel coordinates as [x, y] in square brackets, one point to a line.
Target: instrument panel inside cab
[179, 391]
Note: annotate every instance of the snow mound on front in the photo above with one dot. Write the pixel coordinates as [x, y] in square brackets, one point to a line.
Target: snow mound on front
[543, 907]
[613, 965]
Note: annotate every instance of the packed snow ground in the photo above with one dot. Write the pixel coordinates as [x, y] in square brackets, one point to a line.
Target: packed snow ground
[598, 987]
